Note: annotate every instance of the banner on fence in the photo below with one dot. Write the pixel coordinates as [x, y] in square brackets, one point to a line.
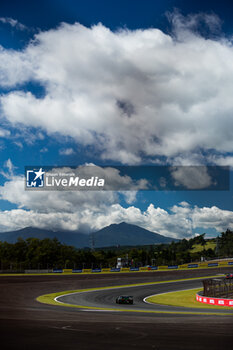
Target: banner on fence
[77, 271]
[173, 266]
[212, 264]
[192, 266]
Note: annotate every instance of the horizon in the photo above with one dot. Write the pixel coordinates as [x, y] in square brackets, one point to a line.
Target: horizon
[113, 224]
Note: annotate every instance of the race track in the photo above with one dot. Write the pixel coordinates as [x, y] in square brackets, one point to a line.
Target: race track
[26, 324]
[106, 298]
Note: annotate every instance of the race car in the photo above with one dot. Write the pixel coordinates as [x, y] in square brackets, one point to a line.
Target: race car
[229, 275]
[124, 299]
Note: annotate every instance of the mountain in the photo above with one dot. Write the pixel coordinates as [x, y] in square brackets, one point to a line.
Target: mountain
[75, 238]
[122, 234]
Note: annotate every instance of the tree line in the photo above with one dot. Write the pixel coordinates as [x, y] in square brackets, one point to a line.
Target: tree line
[34, 253]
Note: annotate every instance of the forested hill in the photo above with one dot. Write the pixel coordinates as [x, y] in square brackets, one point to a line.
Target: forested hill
[122, 234]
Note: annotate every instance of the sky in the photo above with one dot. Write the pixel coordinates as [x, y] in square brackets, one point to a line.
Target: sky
[116, 83]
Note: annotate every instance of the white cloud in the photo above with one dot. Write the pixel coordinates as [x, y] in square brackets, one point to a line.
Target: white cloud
[89, 211]
[18, 144]
[9, 174]
[221, 160]
[177, 223]
[184, 204]
[13, 23]
[54, 201]
[130, 93]
[44, 150]
[212, 217]
[114, 181]
[66, 151]
[191, 23]
[192, 177]
[129, 196]
[4, 133]
[13, 191]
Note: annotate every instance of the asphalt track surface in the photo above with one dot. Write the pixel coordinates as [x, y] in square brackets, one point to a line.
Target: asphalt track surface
[106, 298]
[27, 324]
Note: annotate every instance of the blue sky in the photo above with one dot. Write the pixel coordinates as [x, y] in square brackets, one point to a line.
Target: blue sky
[115, 83]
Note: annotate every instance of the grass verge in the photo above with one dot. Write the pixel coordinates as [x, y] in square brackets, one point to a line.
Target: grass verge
[184, 298]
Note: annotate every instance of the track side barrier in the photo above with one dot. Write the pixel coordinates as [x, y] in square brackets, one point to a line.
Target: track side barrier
[106, 270]
[214, 301]
[38, 271]
[125, 269]
[200, 265]
[143, 268]
[162, 268]
[77, 271]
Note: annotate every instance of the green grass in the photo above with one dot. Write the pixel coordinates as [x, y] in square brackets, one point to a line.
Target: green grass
[199, 248]
[49, 298]
[184, 298]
